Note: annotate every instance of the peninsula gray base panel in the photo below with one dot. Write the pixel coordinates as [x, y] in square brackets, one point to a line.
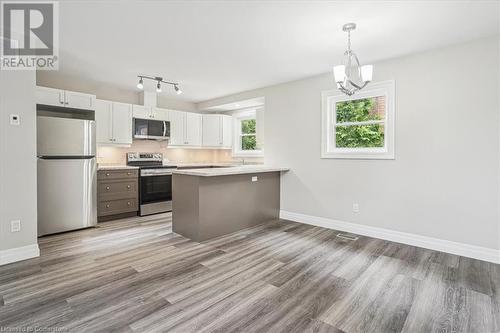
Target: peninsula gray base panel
[208, 207]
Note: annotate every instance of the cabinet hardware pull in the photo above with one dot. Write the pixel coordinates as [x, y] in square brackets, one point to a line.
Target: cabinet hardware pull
[129, 173]
[128, 186]
[128, 203]
[107, 188]
[107, 206]
[107, 174]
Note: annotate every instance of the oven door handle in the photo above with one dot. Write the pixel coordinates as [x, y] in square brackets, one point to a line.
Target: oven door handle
[155, 174]
[150, 174]
[164, 128]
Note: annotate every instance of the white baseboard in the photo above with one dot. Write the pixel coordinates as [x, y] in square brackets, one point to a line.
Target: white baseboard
[461, 249]
[19, 253]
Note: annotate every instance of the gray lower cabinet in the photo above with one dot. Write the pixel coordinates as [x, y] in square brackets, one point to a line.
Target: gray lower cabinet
[117, 193]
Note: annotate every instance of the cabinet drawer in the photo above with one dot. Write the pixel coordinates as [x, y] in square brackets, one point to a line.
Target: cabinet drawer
[118, 174]
[113, 190]
[116, 207]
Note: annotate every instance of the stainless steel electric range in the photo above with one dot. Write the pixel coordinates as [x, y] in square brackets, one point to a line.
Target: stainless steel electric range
[155, 182]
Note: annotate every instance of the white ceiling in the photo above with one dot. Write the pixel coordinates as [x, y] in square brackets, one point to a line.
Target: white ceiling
[216, 48]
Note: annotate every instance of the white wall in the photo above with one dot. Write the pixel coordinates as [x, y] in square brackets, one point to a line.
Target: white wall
[444, 181]
[18, 166]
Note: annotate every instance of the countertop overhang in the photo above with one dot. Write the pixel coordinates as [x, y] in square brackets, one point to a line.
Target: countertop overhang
[115, 167]
[227, 171]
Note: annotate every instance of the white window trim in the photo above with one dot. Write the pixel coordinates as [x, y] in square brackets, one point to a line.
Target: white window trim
[328, 101]
[237, 118]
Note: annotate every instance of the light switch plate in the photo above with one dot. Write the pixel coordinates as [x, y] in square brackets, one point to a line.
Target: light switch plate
[254, 178]
[15, 225]
[15, 119]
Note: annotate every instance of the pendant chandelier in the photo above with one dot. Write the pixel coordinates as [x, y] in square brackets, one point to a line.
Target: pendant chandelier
[351, 76]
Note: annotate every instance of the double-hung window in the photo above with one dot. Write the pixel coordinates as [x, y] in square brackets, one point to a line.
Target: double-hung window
[359, 126]
[246, 139]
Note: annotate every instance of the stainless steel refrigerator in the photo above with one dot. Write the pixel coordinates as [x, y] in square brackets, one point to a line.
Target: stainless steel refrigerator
[67, 174]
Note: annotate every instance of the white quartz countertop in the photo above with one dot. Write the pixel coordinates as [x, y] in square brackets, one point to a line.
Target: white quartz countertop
[115, 167]
[226, 171]
[199, 164]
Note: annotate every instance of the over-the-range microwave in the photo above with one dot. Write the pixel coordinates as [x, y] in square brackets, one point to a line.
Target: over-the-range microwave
[151, 129]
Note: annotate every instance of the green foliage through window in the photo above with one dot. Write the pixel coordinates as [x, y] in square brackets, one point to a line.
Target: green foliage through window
[248, 142]
[248, 138]
[248, 126]
[364, 135]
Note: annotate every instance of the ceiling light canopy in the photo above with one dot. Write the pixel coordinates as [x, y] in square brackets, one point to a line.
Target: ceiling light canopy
[351, 76]
[159, 80]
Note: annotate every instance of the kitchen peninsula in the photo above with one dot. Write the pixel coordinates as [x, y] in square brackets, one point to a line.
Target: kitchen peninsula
[208, 203]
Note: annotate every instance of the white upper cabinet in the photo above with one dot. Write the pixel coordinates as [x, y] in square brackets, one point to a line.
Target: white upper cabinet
[211, 130]
[147, 112]
[177, 125]
[160, 114]
[122, 123]
[185, 128]
[64, 98]
[113, 122]
[78, 100]
[227, 131]
[49, 96]
[217, 131]
[193, 129]
[141, 111]
[104, 121]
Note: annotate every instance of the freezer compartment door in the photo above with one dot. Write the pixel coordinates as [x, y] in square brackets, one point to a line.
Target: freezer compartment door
[65, 137]
[67, 195]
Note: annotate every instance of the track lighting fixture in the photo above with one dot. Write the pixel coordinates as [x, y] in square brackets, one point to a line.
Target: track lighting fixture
[140, 85]
[159, 80]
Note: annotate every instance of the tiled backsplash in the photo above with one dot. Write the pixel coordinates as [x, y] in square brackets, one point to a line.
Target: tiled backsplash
[117, 155]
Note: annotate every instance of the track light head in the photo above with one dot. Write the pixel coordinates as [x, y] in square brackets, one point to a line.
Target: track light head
[140, 85]
[177, 89]
[158, 87]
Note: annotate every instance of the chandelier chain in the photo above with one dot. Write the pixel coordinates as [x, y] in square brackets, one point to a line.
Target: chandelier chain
[349, 41]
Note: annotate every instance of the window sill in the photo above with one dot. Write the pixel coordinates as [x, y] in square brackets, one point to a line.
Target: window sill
[358, 155]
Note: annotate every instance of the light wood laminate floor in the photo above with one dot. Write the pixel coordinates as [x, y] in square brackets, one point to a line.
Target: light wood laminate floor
[134, 275]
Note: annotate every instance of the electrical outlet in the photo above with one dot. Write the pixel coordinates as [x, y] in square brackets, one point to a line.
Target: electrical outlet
[15, 120]
[355, 207]
[15, 225]
[254, 178]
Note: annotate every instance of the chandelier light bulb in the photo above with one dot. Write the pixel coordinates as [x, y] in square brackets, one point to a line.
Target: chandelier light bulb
[366, 73]
[339, 73]
[177, 90]
[158, 87]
